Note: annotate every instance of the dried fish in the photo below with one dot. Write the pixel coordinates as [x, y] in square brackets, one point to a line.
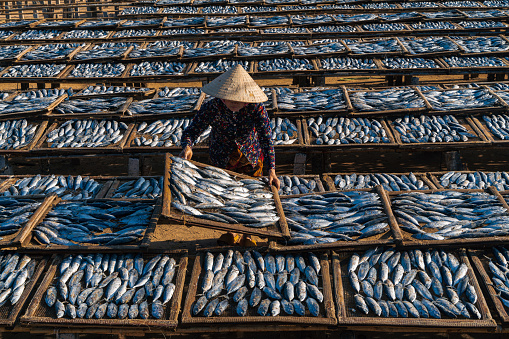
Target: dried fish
[34, 71]
[157, 68]
[339, 130]
[333, 99]
[431, 129]
[97, 70]
[219, 66]
[85, 34]
[347, 63]
[51, 51]
[389, 99]
[390, 182]
[275, 65]
[35, 34]
[397, 63]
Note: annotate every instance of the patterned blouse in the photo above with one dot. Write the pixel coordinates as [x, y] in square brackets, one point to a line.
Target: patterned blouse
[248, 130]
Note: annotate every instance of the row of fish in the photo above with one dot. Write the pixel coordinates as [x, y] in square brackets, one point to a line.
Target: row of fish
[212, 194]
[284, 132]
[498, 269]
[313, 100]
[86, 133]
[142, 188]
[475, 180]
[334, 216]
[17, 272]
[99, 90]
[219, 66]
[390, 182]
[340, 130]
[34, 71]
[16, 134]
[15, 213]
[450, 215]
[25, 105]
[498, 125]
[157, 68]
[67, 188]
[412, 284]
[179, 102]
[290, 185]
[347, 63]
[386, 100]
[260, 285]
[276, 65]
[116, 286]
[165, 133]
[108, 222]
[419, 129]
[96, 105]
[97, 70]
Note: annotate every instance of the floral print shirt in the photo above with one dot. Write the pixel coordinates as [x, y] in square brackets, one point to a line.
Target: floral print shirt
[248, 130]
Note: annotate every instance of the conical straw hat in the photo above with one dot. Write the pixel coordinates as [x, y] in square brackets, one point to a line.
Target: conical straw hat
[236, 85]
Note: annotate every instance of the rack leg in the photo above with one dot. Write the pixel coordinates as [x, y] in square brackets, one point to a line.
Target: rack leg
[5, 167]
[133, 168]
[453, 161]
[299, 164]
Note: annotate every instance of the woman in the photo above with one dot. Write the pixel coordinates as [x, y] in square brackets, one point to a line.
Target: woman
[240, 139]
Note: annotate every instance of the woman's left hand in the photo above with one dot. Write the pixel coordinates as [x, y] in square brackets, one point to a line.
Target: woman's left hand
[273, 180]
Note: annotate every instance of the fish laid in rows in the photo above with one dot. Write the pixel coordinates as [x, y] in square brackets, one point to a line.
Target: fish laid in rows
[219, 10]
[284, 132]
[97, 70]
[178, 102]
[482, 24]
[5, 34]
[235, 29]
[389, 99]
[67, 188]
[460, 99]
[135, 33]
[398, 63]
[498, 125]
[18, 24]
[275, 65]
[384, 27]
[16, 134]
[390, 182]
[347, 63]
[355, 18]
[61, 23]
[15, 213]
[400, 16]
[193, 21]
[165, 133]
[98, 90]
[332, 29]
[17, 271]
[285, 30]
[183, 31]
[34, 71]
[212, 194]
[102, 23]
[170, 44]
[180, 10]
[86, 133]
[335, 216]
[467, 3]
[100, 53]
[227, 21]
[200, 52]
[142, 22]
[143, 188]
[219, 66]
[35, 34]
[379, 5]
[340, 130]
[417, 45]
[157, 68]
[485, 14]
[114, 286]
[139, 10]
[333, 99]
[11, 52]
[432, 25]
[475, 180]
[417, 129]
[295, 185]
[306, 20]
[256, 9]
[377, 46]
[96, 105]
[483, 44]
[108, 223]
[242, 284]
[450, 215]
[320, 49]
[25, 105]
[442, 14]
[497, 269]
[44, 93]
[482, 61]
[411, 284]
[280, 48]
[86, 34]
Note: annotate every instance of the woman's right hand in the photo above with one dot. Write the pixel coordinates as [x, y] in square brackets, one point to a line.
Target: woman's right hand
[187, 153]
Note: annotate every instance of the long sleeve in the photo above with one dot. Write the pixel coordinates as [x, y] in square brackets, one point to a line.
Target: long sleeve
[199, 124]
[264, 132]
